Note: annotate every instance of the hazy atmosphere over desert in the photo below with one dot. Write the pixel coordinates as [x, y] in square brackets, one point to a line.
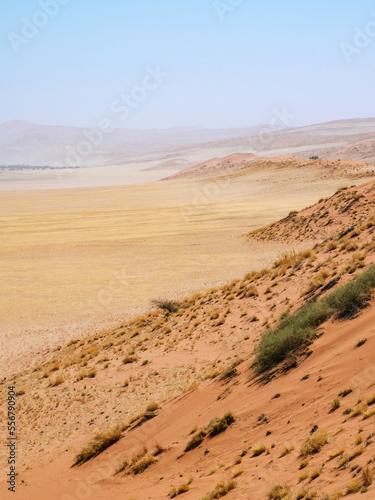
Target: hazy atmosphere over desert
[187, 250]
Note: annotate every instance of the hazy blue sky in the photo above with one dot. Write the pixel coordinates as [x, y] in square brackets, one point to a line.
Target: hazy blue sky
[229, 63]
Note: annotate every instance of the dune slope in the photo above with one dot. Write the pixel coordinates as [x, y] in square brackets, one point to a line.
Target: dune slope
[164, 376]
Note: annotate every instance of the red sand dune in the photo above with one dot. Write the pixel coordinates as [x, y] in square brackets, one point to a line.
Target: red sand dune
[205, 334]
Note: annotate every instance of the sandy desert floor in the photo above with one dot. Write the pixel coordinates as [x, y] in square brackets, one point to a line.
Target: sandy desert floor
[187, 363]
[76, 260]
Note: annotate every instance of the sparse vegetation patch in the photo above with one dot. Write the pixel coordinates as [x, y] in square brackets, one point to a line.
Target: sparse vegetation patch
[299, 329]
[220, 490]
[101, 442]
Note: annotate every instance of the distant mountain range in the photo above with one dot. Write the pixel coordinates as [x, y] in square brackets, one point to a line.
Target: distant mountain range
[24, 143]
[28, 143]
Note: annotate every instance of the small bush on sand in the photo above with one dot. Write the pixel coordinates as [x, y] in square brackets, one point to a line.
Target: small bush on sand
[361, 342]
[307, 495]
[335, 404]
[139, 462]
[367, 477]
[370, 400]
[353, 486]
[238, 471]
[130, 358]
[278, 492]
[336, 454]
[368, 413]
[142, 464]
[220, 490]
[286, 450]
[259, 449]
[216, 426]
[153, 406]
[183, 488]
[230, 370]
[315, 473]
[336, 495]
[314, 443]
[101, 442]
[169, 306]
[196, 440]
[219, 425]
[345, 392]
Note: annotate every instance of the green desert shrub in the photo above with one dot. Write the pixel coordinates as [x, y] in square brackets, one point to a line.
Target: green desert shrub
[299, 329]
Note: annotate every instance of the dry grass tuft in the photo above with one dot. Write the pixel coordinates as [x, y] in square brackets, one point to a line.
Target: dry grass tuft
[367, 477]
[219, 425]
[196, 440]
[183, 488]
[153, 406]
[303, 464]
[286, 450]
[303, 475]
[130, 358]
[368, 414]
[220, 490]
[259, 449]
[91, 373]
[361, 342]
[336, 495]
[278, 492]
[238, 471]
[306, 495]
[358, 451]
[315, 473]
[336, 454]
[313, 444]
[216, 426]
[139, 462]
[101, 442]
[345, 392]
[142, 464]
[335, 404]
[353, 486]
